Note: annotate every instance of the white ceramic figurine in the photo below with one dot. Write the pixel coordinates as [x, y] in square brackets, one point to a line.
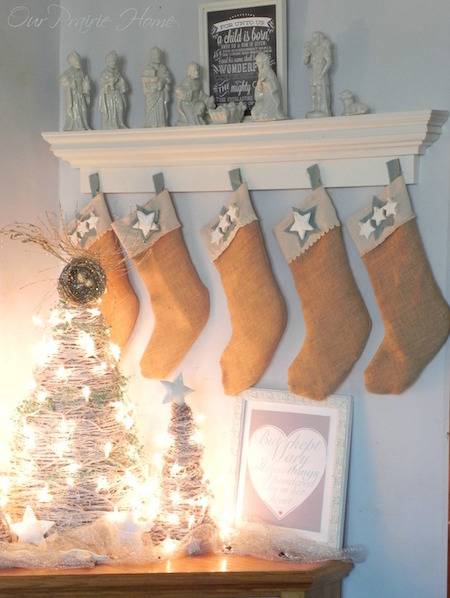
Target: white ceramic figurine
[351, 106]
[268, 98]
[112, 95]
[77, 94]
[156, 82]
[192, 102]
[318, 56]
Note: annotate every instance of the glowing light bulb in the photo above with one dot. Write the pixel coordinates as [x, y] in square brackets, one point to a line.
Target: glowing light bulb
[43, 495]
[157, 460]
[163, 440]
[108, 448]
[128, 422]
[66, 426]
[28, 432]
[73, 467]
[172, 519]
[38, 321]
[115, 515]
[60, 447]
[199, 418]
[203, 501]
[31, 385]
[152, 510]
[62, 373]
[4, 490]
[41, 396]
[175, 497]
[225, 529]
[102, 483]
[131, 479]
[54, 318]
[169, 546]
[175, 469]
[44, 350]
[69, 316]
[101, 368]
[115, 351]
[197, 437]
[86, 392]
[86, 342]
[132, 452]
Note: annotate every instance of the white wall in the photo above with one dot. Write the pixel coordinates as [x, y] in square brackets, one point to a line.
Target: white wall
[395, 56]
[29, 187]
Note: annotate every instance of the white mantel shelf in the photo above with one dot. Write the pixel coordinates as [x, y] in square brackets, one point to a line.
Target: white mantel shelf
[352, 151]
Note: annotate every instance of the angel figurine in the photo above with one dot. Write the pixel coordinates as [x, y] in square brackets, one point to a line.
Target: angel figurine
[156, 82]
[112, 96]
[192, 102]
[268, 99]
[77, 94]
[318, 56]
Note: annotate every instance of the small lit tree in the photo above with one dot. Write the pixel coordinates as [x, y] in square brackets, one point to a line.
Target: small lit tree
[185, 495]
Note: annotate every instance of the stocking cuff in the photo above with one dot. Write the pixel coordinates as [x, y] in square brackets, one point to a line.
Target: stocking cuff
[90, 223]
[147, 224]
[220, 231]
[370, 226]
[306, 224]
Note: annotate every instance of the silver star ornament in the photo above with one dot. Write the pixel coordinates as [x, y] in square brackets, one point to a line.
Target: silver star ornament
[176, 391]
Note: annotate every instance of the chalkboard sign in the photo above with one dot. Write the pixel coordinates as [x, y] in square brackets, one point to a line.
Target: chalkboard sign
[232, 34]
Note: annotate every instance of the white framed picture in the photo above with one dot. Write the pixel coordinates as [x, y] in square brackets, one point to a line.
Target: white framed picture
[232, 32]
[292, 464]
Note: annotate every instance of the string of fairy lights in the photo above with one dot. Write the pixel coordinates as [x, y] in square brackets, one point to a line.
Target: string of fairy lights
[75, 450]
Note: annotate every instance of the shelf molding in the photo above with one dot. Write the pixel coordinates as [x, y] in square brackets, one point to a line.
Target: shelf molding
[352, 151]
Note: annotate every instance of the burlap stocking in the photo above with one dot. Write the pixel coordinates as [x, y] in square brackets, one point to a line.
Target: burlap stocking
[336, 318]
[256, 307]
[415, 315]
[92, 230]
[152, 237]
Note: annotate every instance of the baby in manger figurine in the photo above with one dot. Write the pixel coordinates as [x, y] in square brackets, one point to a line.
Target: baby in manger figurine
[268, 98]
[112, 96]
[192, 102]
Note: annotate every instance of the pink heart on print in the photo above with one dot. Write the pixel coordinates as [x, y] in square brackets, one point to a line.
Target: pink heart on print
[285, 469]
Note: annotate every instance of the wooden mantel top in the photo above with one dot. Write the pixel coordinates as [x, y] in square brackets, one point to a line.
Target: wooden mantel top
[193, 577]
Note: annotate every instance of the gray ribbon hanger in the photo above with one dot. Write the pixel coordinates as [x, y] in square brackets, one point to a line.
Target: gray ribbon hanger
[235, 178]
[158, 181]
[94, 183]
[314, 176]
[394, 169]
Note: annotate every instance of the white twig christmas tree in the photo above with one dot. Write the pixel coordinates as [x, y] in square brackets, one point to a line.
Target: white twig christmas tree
[75, 452]
[185, 495]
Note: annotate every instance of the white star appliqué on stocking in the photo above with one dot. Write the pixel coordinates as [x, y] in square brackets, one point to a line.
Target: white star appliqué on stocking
[378, 215]
[366, 229]
[84, 227]
[227, 222]
[382, 216]
[390, 207]
[304, 224]
[147, 222]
